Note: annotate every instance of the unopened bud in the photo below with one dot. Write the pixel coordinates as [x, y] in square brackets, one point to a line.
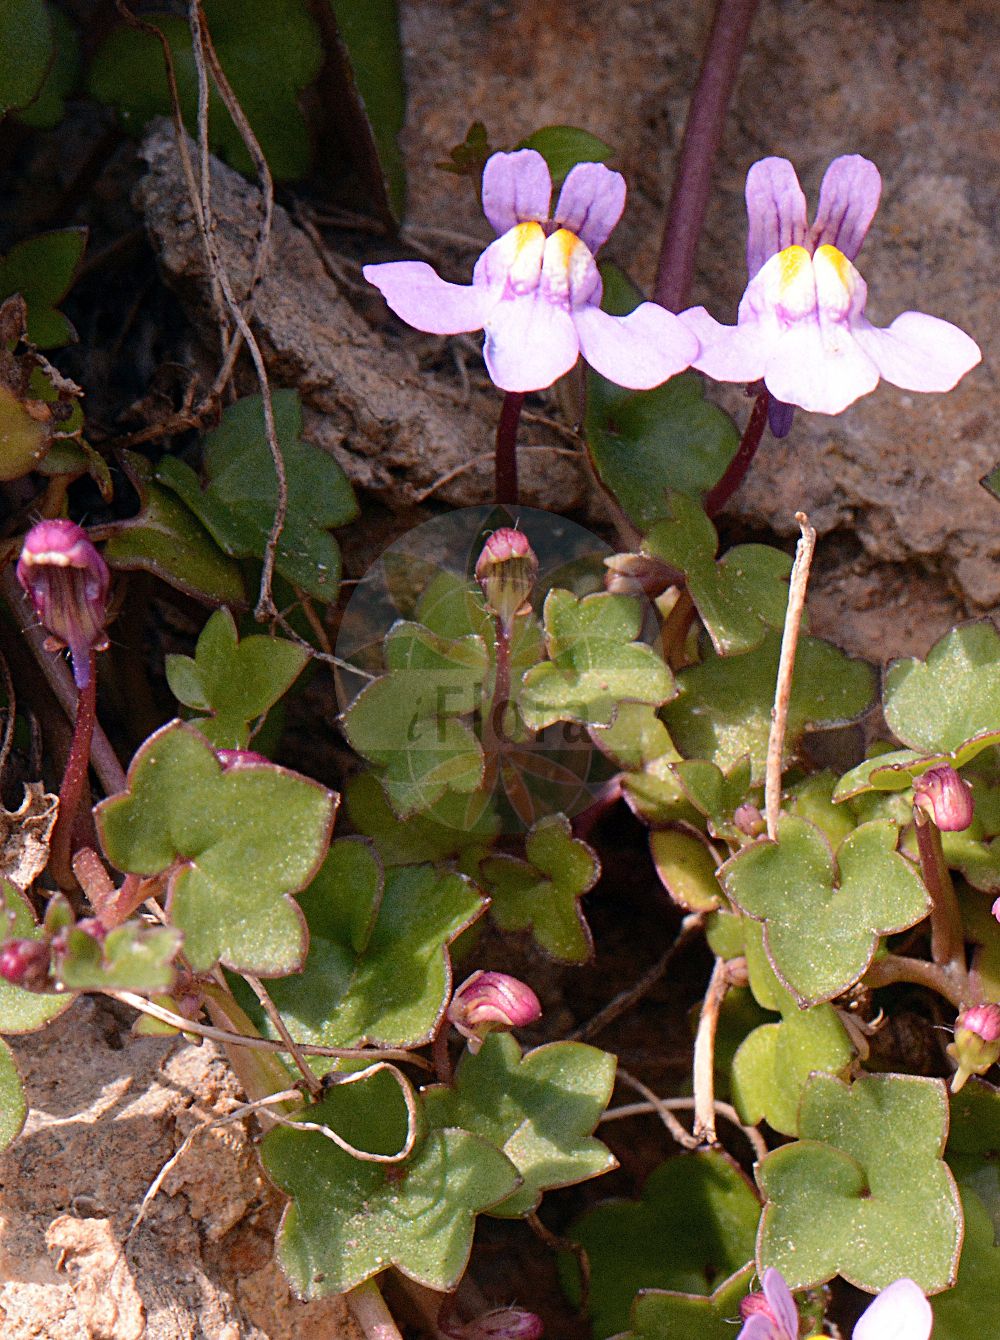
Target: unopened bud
[67, 581]
[977, 1042]
[506, 572]
[492, 1002]
[25, 963]
[238, 758]
[640, 574]
[504, 1323]
[944, 797]
[748, 819]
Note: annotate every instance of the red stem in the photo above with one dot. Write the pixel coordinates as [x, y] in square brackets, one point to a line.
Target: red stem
[74, 780]
[702, 137]
[736, 470]
[506, 448]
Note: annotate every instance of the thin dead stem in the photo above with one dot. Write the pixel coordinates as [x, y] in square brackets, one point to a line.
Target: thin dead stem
[677, 1132]
[313, 1084]
[753, 1135]
[704, 1055]
[797, 585]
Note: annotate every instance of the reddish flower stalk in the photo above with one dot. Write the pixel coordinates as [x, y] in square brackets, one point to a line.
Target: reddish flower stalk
[505, 469]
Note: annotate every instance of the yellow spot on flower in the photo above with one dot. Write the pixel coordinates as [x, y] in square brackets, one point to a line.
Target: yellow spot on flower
[836, 280]
[796, 287]
[522, 249]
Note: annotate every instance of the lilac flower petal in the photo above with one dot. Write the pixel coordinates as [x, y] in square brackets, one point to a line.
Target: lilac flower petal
[919, 352]
[757, 1327]
[729, 353]
[640, 350]
[900, 1312]
[424, 300]
[517, 188]
[781, 1302]
[819, 369]
[776, 211]
[779, 417]
[529, 343]
[591, 202]
[848, 199]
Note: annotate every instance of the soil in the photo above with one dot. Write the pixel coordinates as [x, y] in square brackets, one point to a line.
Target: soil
[909, 545]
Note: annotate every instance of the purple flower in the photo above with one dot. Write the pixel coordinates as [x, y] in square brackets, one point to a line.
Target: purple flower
[900, 1312]
[67, 580]
[771, 1315]
[945, 798]
[536, 290]
[492, 1002]
[801, 324]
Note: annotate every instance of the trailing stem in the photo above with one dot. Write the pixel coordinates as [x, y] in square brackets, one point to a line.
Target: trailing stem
[74, 780]
[702, 137]
[736, 470]
[370, 1312]
[505, 485]
[704, 1054]
[947, 935]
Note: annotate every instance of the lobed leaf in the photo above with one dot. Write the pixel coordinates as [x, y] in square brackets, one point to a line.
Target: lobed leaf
[938, 705]
[25, 51]
[133, 957]
[23, 1011]
[41, 269]
[658, 1314]
[13, 1103]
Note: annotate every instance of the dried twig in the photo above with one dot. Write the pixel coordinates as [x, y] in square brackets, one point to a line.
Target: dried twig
[786, 668]
[313, 1084]
[704, 1055]
[683, 1137]
[753, 1135]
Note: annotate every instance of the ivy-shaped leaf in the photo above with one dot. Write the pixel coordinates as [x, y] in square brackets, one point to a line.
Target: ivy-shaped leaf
[865, 1193]
[973, 1151]
[449, 828]
[939, 704]
[773, 1063]
[378, 968]
[737, 596]
[23, 1011]
[25, 51]
[658, 1314]
[595, 662]
[133, 957]
[235, 681]
[41, 269]
[348, 1219]
[542, 894]
[823, 915]
[266, 76]
[658, 1242]
[48, 106]
[233, 868]
[409, 722]
[960, 1313]
[723, 707]
[238, 501]
[539, 1109]
[13, 1104]
[166, 539]
[635, 738]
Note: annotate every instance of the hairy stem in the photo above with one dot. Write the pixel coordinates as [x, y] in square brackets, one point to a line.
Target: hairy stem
[74, 780]
[702, 137]
[505, 485]
[736, 470]
[947, 935]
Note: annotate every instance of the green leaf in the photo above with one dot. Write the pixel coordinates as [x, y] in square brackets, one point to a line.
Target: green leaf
[13, 1104]
[133, 957]
[960, 1313]
[539, 1109]
[635, 738]
[409, 722]
[542, 894]
[658, 1314]
[266, 75]
[563, 147]
[48, 107]
[349, 1219]
[24, 437]
[974, 1145]
[236, 681]
[238, 503]
[164, 538]
[233, 868]
[692, 1229]
[41, 269]
[938, 704]
[378, 968]
[865, 1192]
[823, 916]
[774, 1062]
[369, 30]
[723, 707]
[453, 825]
[896, 769]
[23, 1011]
[737, 596]
[595, 662]
[686, 869]
[25, 51]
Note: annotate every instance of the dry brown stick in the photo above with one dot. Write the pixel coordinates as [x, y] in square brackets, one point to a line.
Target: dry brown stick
[313, 1084]
[682, 1136]
[704, 1055]
[9, 720]
[753, 1135]
[797, 585]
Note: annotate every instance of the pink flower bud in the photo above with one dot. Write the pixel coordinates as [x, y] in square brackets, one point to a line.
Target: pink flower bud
[67, 581]
[977, 1042]
[748, 819]
[995, 909]
[25, 963]
[492, 1002]
[945, 798]
[238, 758]
[506, 570]
[504, 1323]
